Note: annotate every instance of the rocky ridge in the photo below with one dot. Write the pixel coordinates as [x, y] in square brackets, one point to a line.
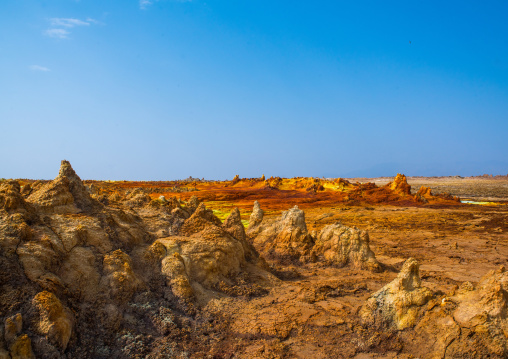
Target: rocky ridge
[134, 276]
[68, 255]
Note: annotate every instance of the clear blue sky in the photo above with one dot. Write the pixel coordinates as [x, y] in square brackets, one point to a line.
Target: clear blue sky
[165, 89]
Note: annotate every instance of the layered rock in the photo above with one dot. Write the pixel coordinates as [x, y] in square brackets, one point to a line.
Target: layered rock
[341, 245]
[398, 304]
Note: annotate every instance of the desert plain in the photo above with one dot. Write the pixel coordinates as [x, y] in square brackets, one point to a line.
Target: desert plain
[395, 267]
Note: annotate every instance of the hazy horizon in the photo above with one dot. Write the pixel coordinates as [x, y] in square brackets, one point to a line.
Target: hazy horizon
[166, 89]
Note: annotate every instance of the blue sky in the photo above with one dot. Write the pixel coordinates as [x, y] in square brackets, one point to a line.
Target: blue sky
[159, 90]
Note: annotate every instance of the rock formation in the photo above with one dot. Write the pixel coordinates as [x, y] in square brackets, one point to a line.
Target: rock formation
[487, 302]
[398, 303]
[11, 199]
[476, 318]
[234, 226]
[122, 270]
[468, 322]
[234, 181]
[400, 185]
[287, 237]
[341, 245]
[66, 194]
[78, 273]
[255, 219]
[424, 194]
[192, 205]
[55, 321]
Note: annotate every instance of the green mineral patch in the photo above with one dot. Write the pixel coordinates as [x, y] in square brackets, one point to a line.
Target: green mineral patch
[220, 214]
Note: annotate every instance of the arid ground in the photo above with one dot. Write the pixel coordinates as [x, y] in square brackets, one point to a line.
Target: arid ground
[363, 268]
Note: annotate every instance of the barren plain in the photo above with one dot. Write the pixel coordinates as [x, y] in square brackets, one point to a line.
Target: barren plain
[254, 268]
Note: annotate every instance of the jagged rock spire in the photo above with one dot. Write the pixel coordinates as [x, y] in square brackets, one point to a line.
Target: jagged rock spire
[66, 193]
[397, 304]
[257, 215]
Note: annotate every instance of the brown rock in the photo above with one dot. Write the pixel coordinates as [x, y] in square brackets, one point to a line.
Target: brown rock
[11, 199]
[287, 237]
[234, 226]
[79, 273]
[200, 219]
[173, 268]
[55, 320]
[207, 257]
[235, 180]
[490, 298]
[119, 276]
[341, 245]
[21, 348]
[192, 205]
[256, 216]
[400, 185]
[13, 326]
[398, 303]
[65, 194]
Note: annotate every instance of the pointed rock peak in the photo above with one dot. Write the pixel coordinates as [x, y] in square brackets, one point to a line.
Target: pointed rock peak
[66, 170]
[207, 214]
[233, 218]
[294, 217]
[200, 210]
[65, 194]
[234, 226]
[194, 202]
[263, 177]
[76, 186]
[235, 180]
[397, 304]
[200, 220]
[400, 184]
[409, 276]
[257, 215]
